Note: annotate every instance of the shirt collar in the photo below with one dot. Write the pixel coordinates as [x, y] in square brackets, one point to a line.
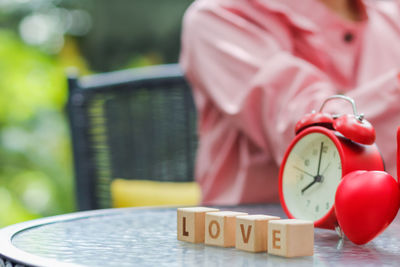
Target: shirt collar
[298, 13]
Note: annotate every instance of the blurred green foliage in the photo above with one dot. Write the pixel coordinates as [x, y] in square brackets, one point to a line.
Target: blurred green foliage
[35, 157]
[38, 40]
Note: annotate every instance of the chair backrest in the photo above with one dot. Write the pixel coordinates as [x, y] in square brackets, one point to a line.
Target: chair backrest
[131, 124]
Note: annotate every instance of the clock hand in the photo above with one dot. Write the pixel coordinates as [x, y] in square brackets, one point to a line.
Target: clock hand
[320, 157]
[303, 171]
[308, 186]
[318, 178]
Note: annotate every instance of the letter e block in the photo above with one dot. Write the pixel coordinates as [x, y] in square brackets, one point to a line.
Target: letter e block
[220, 228]
[291, 238]
[191, 223]
[252, 232]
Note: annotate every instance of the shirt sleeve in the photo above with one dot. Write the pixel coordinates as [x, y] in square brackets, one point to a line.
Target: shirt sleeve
[248, 72]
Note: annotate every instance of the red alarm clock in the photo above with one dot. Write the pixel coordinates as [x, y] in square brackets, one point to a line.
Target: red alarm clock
[326, 148]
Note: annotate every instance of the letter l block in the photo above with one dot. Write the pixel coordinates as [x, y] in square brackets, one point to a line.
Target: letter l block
[191, 223]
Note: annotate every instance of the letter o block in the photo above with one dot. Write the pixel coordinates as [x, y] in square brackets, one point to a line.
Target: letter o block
[191, 223]
[291, 238]
[252, 232]
[220, 228]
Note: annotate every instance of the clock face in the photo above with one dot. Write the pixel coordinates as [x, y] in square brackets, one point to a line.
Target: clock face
[310, 177]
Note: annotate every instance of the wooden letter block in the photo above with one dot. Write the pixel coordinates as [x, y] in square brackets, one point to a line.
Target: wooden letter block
[291, 238]
[252, 232]
[220, 228]
[191, 223]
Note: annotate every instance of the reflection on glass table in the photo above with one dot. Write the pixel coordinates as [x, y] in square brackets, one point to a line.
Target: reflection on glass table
[147, 237]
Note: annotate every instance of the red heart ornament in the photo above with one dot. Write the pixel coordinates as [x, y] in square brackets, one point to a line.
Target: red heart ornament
[366, 202]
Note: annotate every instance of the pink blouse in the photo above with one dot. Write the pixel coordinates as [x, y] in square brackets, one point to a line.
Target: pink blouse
[257, 66]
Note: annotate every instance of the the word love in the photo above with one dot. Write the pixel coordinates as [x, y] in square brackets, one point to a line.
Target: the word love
[254, 233]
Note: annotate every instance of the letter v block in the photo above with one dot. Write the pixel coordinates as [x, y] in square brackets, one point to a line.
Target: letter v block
[191, 223]
[291, 238]
[220, 228]
[252, 232]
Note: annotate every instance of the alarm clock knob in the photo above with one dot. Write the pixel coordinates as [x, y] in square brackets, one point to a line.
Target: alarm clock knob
[355, 128]
[314, 119]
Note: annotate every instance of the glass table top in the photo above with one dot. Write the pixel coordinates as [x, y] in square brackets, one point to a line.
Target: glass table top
[147, 237]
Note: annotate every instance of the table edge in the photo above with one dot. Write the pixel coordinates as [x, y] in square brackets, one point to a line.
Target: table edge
[15, 254]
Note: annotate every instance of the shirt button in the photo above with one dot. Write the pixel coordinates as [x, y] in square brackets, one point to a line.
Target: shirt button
[348, 37]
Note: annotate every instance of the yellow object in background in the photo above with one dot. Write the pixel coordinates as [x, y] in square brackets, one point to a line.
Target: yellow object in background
[134, 193]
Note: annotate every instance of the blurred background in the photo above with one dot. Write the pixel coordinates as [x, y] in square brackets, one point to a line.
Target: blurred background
[39, 40]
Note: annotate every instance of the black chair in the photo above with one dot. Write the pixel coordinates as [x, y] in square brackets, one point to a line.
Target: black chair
[131, 124]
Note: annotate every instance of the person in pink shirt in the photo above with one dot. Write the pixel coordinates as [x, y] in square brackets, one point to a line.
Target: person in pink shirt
[258, 66]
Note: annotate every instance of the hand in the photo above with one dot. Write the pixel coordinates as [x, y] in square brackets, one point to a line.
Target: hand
[320, 157]
[317, 179]
[303, 171]
[308, 186]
